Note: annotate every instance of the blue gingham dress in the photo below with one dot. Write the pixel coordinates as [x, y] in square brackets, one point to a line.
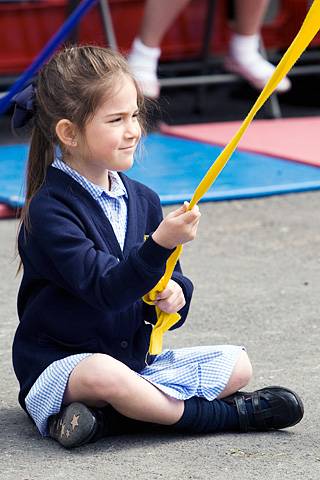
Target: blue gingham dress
[182, 373]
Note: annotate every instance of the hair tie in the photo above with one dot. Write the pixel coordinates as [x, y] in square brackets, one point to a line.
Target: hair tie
[24, 108]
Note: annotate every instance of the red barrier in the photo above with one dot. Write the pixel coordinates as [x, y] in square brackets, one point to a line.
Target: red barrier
[7, 212]
[26, 27]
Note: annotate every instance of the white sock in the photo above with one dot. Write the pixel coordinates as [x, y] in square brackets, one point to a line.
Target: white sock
[247, 61]
[143, 56]
[244, 48]
[143, 62]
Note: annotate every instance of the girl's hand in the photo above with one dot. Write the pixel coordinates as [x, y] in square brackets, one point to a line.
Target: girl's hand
[171, 299]
[178, 227]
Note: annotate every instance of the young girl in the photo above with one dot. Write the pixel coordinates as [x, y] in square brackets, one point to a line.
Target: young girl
[80, 351]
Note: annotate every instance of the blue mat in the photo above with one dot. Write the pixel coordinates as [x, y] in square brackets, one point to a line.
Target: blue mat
[173, 167]
[12, 166]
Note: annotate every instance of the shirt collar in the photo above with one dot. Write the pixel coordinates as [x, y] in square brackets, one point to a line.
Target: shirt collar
[117, 187]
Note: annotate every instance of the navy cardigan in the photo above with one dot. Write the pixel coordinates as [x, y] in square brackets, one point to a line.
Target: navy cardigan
[79, 291]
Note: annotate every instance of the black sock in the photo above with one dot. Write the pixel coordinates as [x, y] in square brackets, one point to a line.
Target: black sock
[204, 416]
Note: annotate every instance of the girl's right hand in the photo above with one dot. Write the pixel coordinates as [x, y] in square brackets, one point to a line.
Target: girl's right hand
[178, 227]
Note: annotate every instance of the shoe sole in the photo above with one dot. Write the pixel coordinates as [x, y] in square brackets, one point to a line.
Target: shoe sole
[76, 426]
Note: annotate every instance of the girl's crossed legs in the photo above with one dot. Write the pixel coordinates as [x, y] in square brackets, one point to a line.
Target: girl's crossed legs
[100, 379]
[104, 397]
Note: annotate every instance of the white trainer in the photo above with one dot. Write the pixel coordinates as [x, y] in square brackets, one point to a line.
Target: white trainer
[256, 70]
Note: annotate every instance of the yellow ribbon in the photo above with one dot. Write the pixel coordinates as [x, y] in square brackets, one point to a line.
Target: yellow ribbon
[164, 320]
[307, 32]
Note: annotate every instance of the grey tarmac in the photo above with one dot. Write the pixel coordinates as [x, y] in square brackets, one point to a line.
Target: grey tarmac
[256, 269]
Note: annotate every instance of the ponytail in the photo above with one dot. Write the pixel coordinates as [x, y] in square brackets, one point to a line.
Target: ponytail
[41, 155]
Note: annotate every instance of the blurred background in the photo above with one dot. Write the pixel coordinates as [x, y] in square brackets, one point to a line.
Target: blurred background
[192, 51]
[199, 103]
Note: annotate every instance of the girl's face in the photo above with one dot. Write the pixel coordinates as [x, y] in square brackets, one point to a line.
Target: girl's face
[113, 133]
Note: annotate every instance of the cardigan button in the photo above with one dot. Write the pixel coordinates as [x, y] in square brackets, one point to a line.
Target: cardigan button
[124, 344]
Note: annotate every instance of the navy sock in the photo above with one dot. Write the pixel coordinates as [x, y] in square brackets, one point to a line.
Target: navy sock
[114, 423]
[204, 416]
[199, 416]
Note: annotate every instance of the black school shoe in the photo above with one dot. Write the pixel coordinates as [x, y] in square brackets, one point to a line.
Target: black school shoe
[284, 409]
[74, 426]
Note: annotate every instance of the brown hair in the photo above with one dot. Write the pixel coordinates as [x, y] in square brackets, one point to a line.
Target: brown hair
[71, 85]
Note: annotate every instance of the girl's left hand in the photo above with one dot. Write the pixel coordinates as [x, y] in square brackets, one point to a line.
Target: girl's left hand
[171, 299]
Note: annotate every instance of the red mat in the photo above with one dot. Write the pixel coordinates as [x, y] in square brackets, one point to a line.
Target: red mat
[6, 211]
[295, 139]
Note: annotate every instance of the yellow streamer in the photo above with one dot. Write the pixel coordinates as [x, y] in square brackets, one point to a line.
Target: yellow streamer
[307, 32]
